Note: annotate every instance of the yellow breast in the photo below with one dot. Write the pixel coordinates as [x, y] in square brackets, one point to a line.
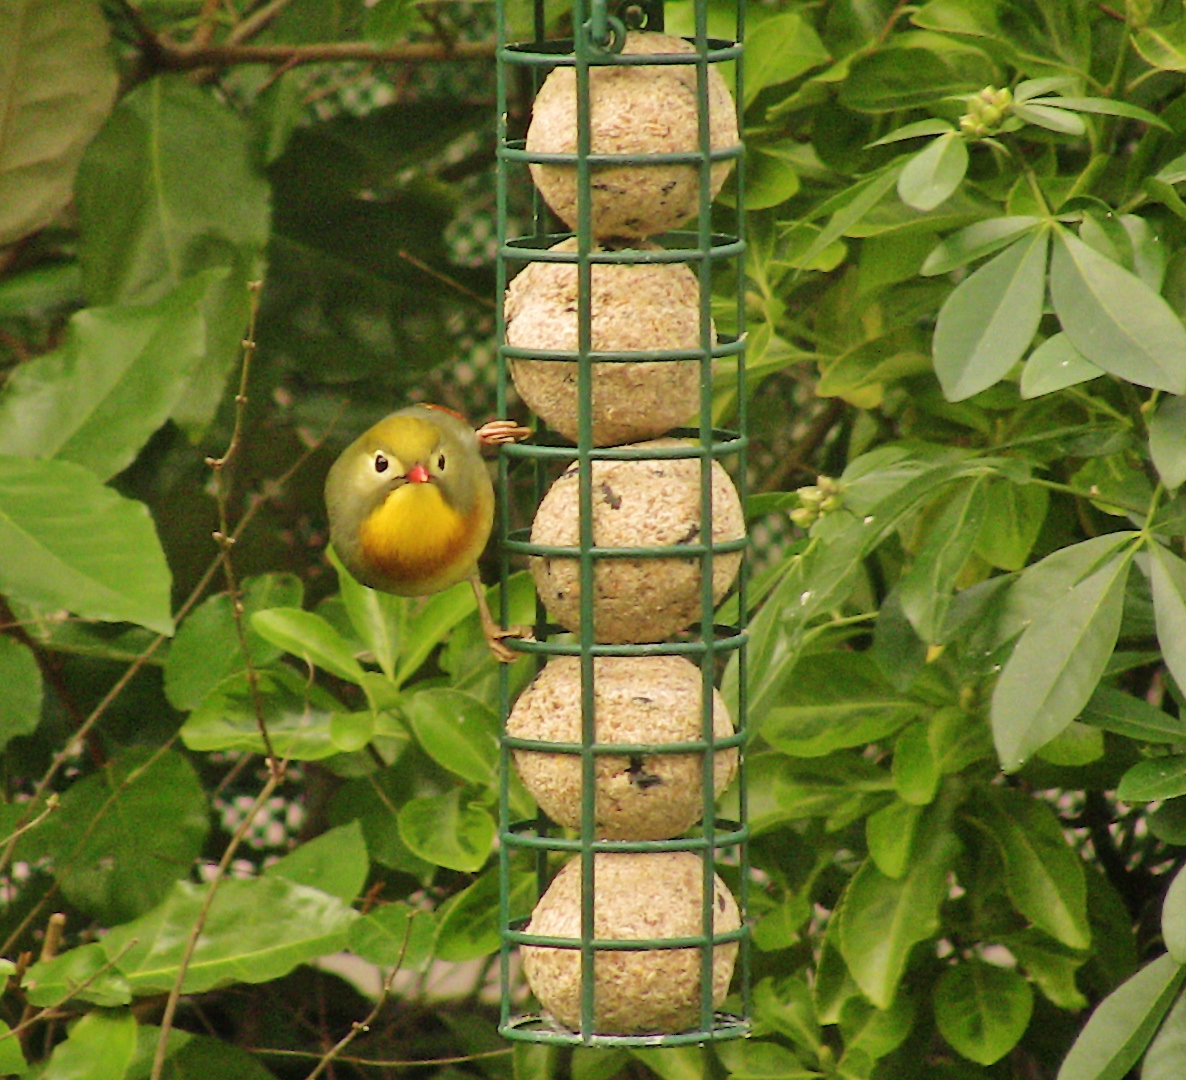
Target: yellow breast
[418, 544]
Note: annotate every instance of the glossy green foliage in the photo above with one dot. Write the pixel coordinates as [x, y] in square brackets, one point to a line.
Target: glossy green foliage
[965, 280]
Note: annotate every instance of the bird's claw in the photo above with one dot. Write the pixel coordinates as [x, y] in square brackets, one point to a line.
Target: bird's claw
[495, 636]
[501, 432]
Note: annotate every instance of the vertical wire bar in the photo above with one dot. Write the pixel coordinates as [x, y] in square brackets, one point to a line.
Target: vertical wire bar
[504, 764]
[707, 632]
[742, 718]
[581, 46]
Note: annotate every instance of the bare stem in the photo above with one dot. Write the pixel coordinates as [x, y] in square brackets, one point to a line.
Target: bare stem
[178, 58]
[275, 775]
[357, 1029]
[223, 536]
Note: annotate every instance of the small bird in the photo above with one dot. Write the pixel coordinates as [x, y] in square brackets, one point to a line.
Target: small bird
[411, 506]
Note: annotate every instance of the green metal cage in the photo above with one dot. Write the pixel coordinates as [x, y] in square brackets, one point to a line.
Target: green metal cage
[714, 250]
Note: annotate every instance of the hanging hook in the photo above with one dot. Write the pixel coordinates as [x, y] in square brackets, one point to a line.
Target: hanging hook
[606, 32]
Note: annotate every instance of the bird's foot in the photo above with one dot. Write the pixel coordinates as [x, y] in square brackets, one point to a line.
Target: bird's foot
[501, 432]
[496, 639]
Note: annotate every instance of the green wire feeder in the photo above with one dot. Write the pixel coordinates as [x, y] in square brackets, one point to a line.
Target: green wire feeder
[714, 257]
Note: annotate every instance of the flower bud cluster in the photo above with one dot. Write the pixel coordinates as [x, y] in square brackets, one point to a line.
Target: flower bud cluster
[815, 500]
[986, 111]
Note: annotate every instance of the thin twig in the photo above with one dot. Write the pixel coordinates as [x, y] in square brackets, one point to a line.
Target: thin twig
[275, 775]
[49, 948]
[51, 804]
[358, 1028]
[379, 1063]
[207, 21]
[801, 452]
[444, 279]
[177, 58]
[223, 536]
[255, 22]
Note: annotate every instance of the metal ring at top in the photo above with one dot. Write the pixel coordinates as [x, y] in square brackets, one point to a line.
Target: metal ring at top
[606, 33]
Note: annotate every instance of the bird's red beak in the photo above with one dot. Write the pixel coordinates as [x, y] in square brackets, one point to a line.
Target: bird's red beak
[417, 474]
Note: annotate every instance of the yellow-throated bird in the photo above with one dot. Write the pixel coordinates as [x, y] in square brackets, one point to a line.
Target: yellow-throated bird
[411, 506]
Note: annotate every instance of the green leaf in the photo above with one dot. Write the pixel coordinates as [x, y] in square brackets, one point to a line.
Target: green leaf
[116, 379]
[1163, 47]
[431, 625]
[975, 242]
[1102, 107]
[834, 700]
[990, 319]
[1173, 917]
[11, 1059]
[66, 541]
[883, 919]
[673, 1062]
[770, 179]
[753, 1059]
[1057, 664]
[934, 172]
[378, 618]
[169, 188]
[99, 1047]
[915, 770]
[350, 732]
[374, 801]
[931, 126]
[193, 1057]
[1157, 778]
[111, 857]
[1044, 877]
[457, 731]
[882, 359]
[440, 830]
[861, 198]
[925, 590]
[50, 982]
[1114, 319]
[1167, 441]
[256, 931]
[1167, 575]
[1055, 365]
[57, 82]
[889, 834]
[1076, 745]
[1123, 1023]
[335, 862]
[786, 47]
[1051, 580]
[784, 1005]
[20, 704]
[394, 934]
[1166, 1056]
[1013, 517]
[876, 1032]
[1050, 118]
[982, 1010]
[310, 637]
[1050, 965]
[297, 713]
[469, 926]
[206, 648]
[1028, 89]
[915, 68]
[1113, 710]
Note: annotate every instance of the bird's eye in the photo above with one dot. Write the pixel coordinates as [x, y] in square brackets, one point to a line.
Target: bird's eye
[441, 461]
[380, 463]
